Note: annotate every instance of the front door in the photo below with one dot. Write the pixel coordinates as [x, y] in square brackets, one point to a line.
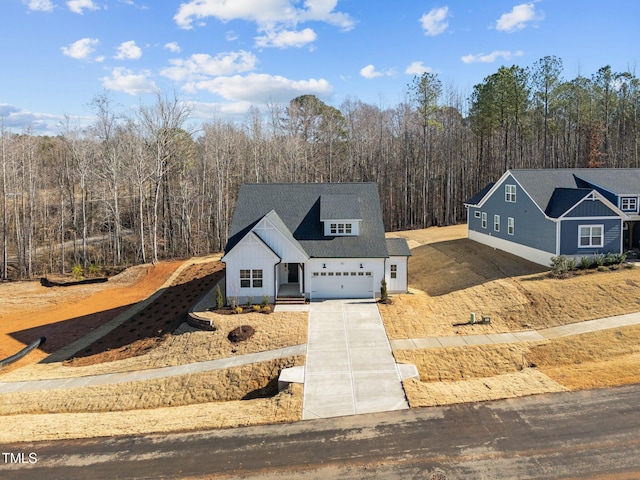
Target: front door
[293, 272]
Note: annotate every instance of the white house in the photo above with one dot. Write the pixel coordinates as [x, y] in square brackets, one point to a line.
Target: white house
[311, 240]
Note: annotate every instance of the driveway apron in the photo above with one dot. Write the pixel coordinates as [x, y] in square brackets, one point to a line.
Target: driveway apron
[349, 368]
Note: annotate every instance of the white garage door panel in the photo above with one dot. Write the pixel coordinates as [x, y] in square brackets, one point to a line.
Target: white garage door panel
[352, 286]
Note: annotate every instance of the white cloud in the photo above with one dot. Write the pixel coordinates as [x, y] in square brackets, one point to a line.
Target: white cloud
[287, 38]
[123, 80]
[200, 66]
[208, 111]
[491, 57]
[265, 13]
[79, 6]
[173, 47]
[518, 18]
[39, 5]
[81, 49]
[370, 72]
[417, 69]
[128, 51]
[14, 118]
[435, 22]
[257, 88]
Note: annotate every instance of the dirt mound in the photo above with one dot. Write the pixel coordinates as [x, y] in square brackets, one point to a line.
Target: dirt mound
[241, 333]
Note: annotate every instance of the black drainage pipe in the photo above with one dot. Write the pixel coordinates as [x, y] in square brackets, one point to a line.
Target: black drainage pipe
[14, 358]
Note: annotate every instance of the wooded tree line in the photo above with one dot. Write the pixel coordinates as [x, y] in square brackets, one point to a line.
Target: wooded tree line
[153, 184]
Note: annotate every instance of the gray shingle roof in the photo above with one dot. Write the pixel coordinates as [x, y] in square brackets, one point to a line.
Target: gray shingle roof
[563, 199]
[297, 205]
[480, 195]
[554, 189]
[398, 247]
[339, 207]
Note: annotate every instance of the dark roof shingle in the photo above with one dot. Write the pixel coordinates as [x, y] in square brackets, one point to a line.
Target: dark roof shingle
[298, 206]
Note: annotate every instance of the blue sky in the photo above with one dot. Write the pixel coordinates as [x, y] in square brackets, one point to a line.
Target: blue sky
[227, 55]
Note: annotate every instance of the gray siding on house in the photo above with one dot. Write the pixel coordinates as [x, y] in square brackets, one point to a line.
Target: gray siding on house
[570, 239]
[591, 208]
[532, 228]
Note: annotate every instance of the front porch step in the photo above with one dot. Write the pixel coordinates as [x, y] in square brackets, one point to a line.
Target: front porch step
[290, 300]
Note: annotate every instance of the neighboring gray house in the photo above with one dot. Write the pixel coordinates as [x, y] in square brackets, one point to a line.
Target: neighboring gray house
[312, 240]
[538, 214]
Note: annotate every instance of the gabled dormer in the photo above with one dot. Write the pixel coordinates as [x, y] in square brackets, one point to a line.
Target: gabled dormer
[340, 215]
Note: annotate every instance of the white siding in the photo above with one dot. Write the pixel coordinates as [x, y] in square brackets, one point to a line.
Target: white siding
[357, 286]
[286, 250]
[251, 253]
[398, 284]
[533, 255]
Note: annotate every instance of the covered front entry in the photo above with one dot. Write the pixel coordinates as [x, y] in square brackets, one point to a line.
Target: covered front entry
[292, 273]
[342, 285]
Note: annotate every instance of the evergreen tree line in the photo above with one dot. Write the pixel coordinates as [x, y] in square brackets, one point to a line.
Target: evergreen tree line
[154, 185]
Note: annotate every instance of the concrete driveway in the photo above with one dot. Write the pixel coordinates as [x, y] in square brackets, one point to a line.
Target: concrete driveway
[350, 368]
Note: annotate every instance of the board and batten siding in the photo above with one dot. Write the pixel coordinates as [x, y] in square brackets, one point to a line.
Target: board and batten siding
[591, 208]
[398, 284]
[281, 245]
[570, 237]
[250, 254]
[531, 227]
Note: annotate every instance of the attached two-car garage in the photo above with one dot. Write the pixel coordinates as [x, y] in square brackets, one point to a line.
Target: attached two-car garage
[341, 285]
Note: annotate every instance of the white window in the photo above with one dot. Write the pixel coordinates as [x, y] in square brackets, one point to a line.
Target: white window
[510, 193]
[484, 219]
[629, 204]
[496, 223]
[591, 236]
[341, 228]
[394, 271]
[257, 278]
[250, 277]
[245, 278]
[511, 227]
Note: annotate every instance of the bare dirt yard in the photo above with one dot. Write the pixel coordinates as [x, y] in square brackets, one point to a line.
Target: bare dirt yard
[450, 277]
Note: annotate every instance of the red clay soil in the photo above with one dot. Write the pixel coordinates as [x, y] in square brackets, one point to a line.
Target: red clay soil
[150, 327]
[66, 315]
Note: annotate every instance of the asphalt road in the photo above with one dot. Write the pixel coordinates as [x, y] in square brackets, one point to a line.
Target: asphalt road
[584, 435]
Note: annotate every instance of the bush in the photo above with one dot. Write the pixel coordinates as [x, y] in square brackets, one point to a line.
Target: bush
[256, 308]
[94, 269]
[249, 301]
[585, 262]
[598, 260]
[384, 295]
[77, 271]
[238, 310]
[562, 265]
[609, 259]
[266, 309]
[265, 300]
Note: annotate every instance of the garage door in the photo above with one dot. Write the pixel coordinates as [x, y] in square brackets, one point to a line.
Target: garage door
[341, 285]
